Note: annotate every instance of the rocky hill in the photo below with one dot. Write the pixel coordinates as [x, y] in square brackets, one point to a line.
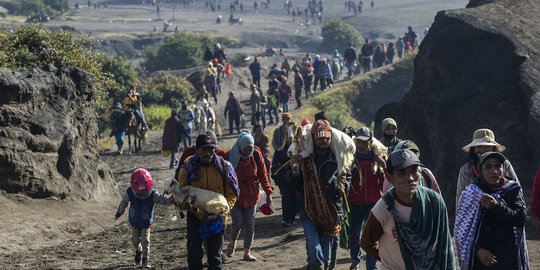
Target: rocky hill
[48, 135]
[477, 67]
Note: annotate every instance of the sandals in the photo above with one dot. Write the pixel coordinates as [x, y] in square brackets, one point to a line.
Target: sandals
[249, 258]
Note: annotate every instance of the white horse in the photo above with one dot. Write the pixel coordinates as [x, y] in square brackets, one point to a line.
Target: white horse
[200, 119]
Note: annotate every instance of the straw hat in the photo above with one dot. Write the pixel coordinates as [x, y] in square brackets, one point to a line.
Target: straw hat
[483, 137]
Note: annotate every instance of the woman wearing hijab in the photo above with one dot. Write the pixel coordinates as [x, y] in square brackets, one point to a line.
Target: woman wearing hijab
[248, 163]
[490, 220]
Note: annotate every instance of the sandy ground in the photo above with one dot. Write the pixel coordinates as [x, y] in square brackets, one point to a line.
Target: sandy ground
[56, 234]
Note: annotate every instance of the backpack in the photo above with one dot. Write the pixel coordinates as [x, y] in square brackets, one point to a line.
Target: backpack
[272, 102]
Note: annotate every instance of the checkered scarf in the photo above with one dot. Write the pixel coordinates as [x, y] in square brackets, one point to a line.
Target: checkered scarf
[469, 220]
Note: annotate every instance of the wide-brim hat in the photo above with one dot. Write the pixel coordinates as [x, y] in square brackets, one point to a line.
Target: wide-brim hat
[483, 137]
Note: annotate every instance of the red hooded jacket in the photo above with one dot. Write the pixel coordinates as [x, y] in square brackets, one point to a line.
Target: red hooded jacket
[365, 185]
[251, 173]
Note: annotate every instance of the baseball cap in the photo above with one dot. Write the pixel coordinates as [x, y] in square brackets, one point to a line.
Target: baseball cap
[363, 134]
[321, 129]
[205, 140]
[402, 159]
[487, 155]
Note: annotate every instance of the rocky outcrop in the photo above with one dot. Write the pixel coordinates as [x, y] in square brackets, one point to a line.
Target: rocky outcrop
[48, 135]
[477, 67]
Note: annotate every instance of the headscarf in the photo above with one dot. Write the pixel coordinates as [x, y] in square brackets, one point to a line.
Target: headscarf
[243, 141]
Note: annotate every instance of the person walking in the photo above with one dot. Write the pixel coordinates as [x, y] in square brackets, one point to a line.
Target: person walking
[364, 192]
[172, 136]
[141, 198]
[186, 117]
[349, 57]
[234, 111]
[206, 170]
[298, 85]
[255, 70]
[281, 172]
[408, 227]
[321, 187]
[250, 169]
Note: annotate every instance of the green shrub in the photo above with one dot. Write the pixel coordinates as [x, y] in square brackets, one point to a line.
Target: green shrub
[166, 88]
[30, 46]
[336, 34]
[183, 50]
[155, 115]
[122, 73]
[36, 7]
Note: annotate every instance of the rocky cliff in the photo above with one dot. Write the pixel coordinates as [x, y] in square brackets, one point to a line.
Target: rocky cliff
[477, 67]
[48, 135]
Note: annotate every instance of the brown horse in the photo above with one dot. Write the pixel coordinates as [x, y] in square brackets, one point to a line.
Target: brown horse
[135, 129]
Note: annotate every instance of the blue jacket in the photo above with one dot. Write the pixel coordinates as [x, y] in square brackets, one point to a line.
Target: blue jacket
[141, 207]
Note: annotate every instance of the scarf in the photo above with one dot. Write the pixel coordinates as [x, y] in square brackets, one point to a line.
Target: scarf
[192, 171]
[425, 241]
[244, 140]
[468, 222]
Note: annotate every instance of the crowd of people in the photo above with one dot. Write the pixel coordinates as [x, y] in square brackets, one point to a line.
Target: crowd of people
[375, 196]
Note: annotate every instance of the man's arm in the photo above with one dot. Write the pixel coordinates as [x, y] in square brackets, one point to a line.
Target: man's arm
[371, 234]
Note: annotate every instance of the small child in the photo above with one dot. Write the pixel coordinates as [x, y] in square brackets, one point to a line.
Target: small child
[142, 199]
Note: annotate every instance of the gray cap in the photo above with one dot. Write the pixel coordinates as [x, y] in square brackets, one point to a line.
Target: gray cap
[363, 133]
[402, 159]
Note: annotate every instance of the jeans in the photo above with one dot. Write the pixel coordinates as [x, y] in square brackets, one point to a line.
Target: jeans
[319, 246]
[174, 151]
[214, 244]
[263, 118]
[273, 111]
[243, 218]
[285, 106]
[257, 81]
[187, 137]
[350, 68]
[357, 216]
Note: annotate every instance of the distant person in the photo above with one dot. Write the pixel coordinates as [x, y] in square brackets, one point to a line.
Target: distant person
[389, 130]
[490, 220]
[349, 57]
[255, 70]
[208, 54]
[285, 93]
[412, 37]
[298, 85]
[234, 111]
[263, 142]
[316, 73]
[286, 66]
[400, 47]
[186, 117]
[219, 53]
[119, 121]
[255, 104]
[325, 74]
[408, 227]
[133, 102]
[172, 136]
[378, 57]
[366, 56]
[390, 52]
[142, 198]
[307, 74]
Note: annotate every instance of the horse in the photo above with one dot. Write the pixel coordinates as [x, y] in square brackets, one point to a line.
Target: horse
[136, 130]
[201, 119]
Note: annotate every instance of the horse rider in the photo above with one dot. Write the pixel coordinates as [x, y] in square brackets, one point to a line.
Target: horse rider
[133, 102]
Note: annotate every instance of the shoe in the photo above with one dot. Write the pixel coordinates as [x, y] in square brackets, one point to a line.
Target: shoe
[138, 257]
[145, 128]
[249, 258]
[354, 266]
[145, 263]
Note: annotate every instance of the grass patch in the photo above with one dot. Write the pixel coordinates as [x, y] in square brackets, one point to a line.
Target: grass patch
[156, 115]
